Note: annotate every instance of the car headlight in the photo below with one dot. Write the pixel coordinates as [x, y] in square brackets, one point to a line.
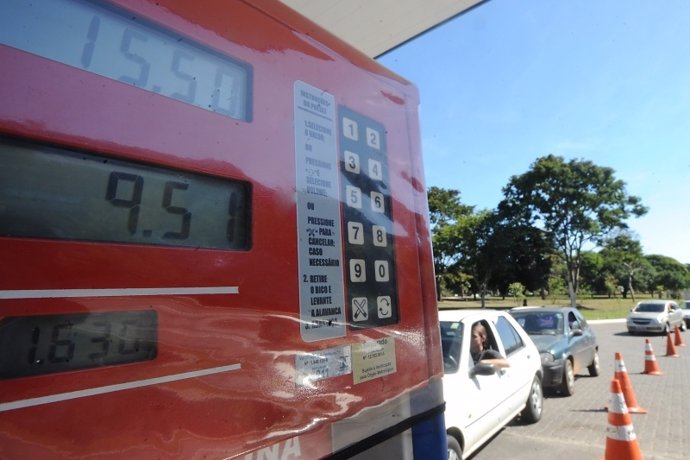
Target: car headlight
[546, 358]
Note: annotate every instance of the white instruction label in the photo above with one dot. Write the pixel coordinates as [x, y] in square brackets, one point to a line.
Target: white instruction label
[319, 244]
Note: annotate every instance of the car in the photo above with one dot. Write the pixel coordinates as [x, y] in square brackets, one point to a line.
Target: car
[482, 398]
[686, 313]
[566, 343]
[660, 316]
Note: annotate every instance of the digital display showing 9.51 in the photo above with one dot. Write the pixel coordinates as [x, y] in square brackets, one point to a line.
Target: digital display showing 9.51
[48, 192]
[35, 345]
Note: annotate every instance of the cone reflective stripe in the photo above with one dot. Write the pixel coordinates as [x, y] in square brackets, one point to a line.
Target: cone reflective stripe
[670, 348]
[651, 367]
[679, 340]
[621, 440]
[621, 374]
[621, 433]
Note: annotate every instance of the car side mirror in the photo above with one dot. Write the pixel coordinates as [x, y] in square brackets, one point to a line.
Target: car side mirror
[577, 332]
[483, 369]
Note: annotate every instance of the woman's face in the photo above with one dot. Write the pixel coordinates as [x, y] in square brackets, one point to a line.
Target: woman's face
[476, 341]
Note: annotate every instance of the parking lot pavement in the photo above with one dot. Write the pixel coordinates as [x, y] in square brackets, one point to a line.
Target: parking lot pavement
[574, 428]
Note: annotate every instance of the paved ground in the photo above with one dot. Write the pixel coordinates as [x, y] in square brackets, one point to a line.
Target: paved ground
[574, 428]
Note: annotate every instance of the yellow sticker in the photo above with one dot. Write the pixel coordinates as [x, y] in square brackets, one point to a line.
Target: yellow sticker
[374, 359]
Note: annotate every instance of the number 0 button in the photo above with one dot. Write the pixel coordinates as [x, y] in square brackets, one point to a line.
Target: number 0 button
[381, 270]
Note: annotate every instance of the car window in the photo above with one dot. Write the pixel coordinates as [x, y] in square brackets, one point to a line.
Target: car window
[581, 319]
[650, 308]
[548, 323]
[573, 321]
[451, 341]
[512, 341]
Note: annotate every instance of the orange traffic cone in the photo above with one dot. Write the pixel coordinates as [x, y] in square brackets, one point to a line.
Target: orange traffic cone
[621, 441]
[621, 374]
[650, 365]
[670, 348]
[679, 339]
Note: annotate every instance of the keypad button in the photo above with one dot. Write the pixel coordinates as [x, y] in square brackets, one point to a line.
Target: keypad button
[379, 235]
[355, 233]
[351, 162]
[373, 138]
[375, 169]
[377, 202]
[358, 271]
[350, 129]
[353, 196]
[381, 271]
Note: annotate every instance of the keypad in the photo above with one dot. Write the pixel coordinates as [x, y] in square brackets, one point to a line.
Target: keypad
[371, 282]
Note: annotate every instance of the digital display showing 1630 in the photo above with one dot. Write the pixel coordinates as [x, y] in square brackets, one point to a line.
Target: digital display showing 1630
[35, 345]
[49, 192]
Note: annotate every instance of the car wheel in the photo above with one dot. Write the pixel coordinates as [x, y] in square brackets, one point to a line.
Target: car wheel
[568, 384]
[594, 368]
[454, 449]
[535, 403]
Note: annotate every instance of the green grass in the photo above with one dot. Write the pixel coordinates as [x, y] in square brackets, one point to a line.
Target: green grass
[591, 308]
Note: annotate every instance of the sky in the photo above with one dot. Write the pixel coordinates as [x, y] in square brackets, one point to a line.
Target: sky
[607, 81]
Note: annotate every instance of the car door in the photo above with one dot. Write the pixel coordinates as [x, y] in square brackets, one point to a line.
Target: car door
[478, 398]
[515, 380]
[581, 346]
[675, 315]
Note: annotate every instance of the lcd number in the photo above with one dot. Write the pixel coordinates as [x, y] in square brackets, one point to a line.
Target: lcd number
[125, 190]
[34, 345]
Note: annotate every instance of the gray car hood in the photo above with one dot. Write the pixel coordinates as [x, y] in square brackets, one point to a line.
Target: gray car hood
[546, 342]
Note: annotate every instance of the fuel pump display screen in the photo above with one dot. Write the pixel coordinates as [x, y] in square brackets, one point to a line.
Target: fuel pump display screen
[35, 345]
[109, 42]
[47, 192]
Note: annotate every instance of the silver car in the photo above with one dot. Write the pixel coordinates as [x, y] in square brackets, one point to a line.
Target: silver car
[660, 316]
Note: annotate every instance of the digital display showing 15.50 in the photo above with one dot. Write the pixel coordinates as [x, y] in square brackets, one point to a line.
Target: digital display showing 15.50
[47, 192]
[36, 345]
[107, 41]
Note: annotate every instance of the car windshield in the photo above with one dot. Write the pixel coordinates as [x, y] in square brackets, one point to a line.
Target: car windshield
[541, 323]
[650, 308]
[451, 340]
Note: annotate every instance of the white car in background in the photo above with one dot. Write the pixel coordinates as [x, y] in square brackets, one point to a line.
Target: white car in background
[481, 399]
[685, 306]
[661, 316]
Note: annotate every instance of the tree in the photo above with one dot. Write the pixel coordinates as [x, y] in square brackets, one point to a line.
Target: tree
[669, 274]
[623, 260]
[478, 254]
[575, 203]
[448, 217]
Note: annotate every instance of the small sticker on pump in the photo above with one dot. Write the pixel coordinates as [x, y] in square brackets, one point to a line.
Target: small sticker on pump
[374, 359]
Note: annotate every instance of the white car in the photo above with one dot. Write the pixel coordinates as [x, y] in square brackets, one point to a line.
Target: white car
[661, 316]
[686, 312]
[481, 399]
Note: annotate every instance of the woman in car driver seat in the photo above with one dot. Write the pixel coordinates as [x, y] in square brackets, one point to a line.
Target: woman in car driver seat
[479, 350]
